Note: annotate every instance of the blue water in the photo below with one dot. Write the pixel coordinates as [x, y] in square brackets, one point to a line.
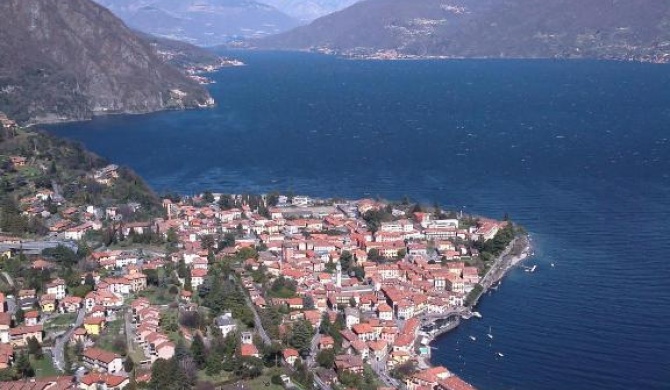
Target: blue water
[578, 152]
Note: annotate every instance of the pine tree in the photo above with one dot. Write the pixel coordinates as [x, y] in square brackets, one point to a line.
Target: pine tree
[128, 364]
[188, 281]
[23, 367]
[198, 351]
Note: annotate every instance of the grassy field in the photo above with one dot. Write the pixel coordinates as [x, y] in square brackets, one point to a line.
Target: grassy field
[262, 382]
[216, 380]
[60, 322]
[158, 296]
[44, 367]
[111, 333]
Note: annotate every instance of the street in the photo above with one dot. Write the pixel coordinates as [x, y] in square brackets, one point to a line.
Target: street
[257, 319]
[58, 349]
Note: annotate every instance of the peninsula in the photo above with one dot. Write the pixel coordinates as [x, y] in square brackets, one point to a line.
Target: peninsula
[129, 290]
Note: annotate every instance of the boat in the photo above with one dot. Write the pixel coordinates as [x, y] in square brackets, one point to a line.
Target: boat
[552, 265]
[531, 269]
[476, 314]
[473, 338]
[489, 334]
[500, 354]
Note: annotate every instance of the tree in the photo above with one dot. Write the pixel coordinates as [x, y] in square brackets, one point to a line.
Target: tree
[308, 302]
[172, 236]
[89, 280]
[374, 218]
[23, 367]
[226, 202]
[198, 351]
[346, 260]
[34, 348]
[188, 286]
[374, 255]
[67, 358]
[62, 255]
[152, 277]
[128, 364]
[283, 288]
[228, 240]
[404, 370]
[182, 270]
[326, 358]
[208, 197]
[300, 336]
[20, 315]
[352, 302]
[249, 367]
[207, 242]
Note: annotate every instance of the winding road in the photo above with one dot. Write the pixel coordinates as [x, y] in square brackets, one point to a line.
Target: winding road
[58, 349]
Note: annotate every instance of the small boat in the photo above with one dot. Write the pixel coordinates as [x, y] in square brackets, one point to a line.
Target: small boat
[473, 338]
[476, 314]
[489, 334]
[552, 265]
[500, 354]
[531, 269]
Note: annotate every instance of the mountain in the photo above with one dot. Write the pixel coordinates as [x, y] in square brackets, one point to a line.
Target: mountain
[71, 60]
[181, 54]
[604, 29]
[202, 22]
[308, 10]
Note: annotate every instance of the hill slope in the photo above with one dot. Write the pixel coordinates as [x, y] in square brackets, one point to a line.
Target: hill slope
[611, 29]
[308, 10]
[202, 22]
[70, 60]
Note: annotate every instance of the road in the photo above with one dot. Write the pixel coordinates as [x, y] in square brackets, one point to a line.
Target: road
[257, 319]
[313, 350]
[9, 278]
[36, 247]
[57, 350]
[380, 369]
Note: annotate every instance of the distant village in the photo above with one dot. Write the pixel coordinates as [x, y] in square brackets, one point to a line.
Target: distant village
[290, 291]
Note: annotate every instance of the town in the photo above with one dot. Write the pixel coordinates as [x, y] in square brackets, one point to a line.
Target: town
[318, 292]
[227, 291]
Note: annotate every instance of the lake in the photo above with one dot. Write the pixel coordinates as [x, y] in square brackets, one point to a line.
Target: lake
[576, 151]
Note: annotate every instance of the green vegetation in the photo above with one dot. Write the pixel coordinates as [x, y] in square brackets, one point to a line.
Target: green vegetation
[112, 339]
[158, 295]
[492, 248]
[263, 382]
[374, 218]
[43, 367]
[300, 335]
[473, 295]
[366, 381]
[271, 317]
[220, 293]
[59, 322]
[51, 160]
[282, 288]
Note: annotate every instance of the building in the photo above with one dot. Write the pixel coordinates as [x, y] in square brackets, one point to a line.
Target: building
[95, 381]
[105, 361]
[290, 355]
[225, 323]
[19, 336]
